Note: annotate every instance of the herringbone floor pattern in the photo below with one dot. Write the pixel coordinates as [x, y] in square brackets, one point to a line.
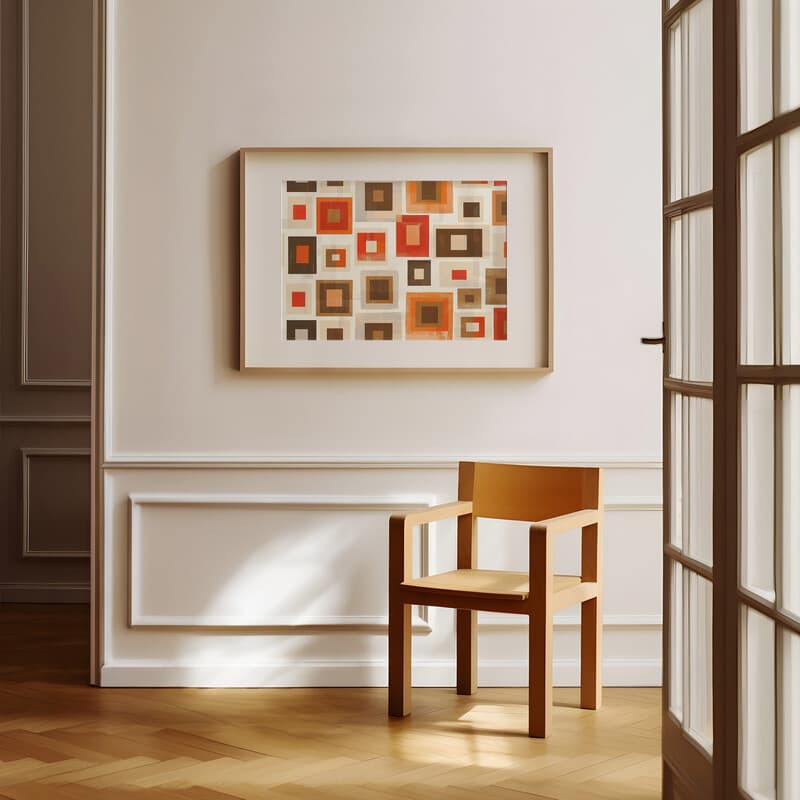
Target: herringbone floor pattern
[62, 740]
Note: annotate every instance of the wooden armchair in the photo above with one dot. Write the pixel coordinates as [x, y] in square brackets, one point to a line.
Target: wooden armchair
[554, 499]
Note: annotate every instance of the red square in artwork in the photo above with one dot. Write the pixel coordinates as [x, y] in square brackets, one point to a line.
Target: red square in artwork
[413, 235]
[458, 274]
[334, 215]
[298, 211]
[371, 246]
[501, 323]
[298, 299]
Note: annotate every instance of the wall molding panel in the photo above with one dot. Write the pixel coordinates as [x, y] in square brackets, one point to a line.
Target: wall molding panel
[29, 453]
[26, 380]
[294, 503]
[44, 592]
[208, 461]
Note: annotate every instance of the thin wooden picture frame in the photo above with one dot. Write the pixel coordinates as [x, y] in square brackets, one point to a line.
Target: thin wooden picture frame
[541, 276]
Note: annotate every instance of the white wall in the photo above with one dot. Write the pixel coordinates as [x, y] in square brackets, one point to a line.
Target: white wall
[191, 82]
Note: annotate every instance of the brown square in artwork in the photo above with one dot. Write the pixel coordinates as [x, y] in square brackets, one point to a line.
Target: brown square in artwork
[378, 196]
[459, 242]
[429, 190]
[496, 287]
[378, 330]
[472, 209]
[335, 334]
[334, 298]
[469, 298]
[419, 272]
[334, 215]
[429, 314]
[380, 289]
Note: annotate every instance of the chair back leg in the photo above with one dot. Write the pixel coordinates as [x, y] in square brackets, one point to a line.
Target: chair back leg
[591, 653]
[466, 651]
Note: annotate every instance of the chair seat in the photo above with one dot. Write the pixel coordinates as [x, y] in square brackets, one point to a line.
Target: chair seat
[499, 585]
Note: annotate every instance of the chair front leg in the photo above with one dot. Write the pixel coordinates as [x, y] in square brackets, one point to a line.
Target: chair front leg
[540, 635]
[400, 556]
[399, 658]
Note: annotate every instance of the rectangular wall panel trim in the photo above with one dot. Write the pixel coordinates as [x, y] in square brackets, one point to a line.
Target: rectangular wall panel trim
[300, 503]
[213, 461]
[29, 453]
[25, 378]
[44, 592]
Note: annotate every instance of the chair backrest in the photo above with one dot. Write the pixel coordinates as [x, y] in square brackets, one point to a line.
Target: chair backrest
[527, 493]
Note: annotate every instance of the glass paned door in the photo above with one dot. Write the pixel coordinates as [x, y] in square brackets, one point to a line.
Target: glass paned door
[688, 398]
[731, 399]
[767, 594]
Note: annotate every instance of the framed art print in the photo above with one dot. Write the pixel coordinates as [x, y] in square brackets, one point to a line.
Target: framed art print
[396, 259]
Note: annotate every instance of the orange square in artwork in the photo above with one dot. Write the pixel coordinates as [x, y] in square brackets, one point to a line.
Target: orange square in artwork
[298, 212]
[334, 298]
[302, 254]
[298, 299]
[412, 235]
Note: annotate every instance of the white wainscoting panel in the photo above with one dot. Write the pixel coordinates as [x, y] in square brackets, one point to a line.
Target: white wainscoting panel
[274, 568]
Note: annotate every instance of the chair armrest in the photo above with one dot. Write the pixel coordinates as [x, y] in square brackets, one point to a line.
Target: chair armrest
[445, 511]
[567, 522]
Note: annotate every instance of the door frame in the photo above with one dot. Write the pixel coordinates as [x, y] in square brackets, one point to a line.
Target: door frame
[99, 188]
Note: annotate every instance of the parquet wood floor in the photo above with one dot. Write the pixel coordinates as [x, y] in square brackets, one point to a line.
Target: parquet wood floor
[63, 740]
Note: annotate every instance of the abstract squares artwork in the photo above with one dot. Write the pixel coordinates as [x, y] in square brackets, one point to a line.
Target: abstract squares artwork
[394, 260]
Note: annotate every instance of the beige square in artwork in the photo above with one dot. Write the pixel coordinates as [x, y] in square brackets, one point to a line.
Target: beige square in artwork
[334, 298]
[371, 246]
[472, 327]
[458, 241]
[412, 235]
[378, 195]
[335, 257]
[419, 273]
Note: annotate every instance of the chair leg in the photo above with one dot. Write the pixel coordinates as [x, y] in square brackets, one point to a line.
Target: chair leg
[466, 652]
[399, 659]
[591, 653]
[540, 673]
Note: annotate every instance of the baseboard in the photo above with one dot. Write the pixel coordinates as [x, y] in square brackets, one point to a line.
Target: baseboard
[616, 672]
[44, 593]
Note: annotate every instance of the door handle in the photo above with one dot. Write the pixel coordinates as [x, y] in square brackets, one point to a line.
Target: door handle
[654, 339]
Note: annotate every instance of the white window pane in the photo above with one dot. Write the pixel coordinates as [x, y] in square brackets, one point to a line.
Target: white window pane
[755, 63]
[699, 104]
[757, 736]
[758, 490]
[700, 317]
[789, 16]
[677, 433]
[700, 479]
[700, 720]
[690, 86]
[692, 296]
[676, 290]
[676, 641]
[789, 151]
[790, 563]
[757, 316]
[789, 721]
[676, 112]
